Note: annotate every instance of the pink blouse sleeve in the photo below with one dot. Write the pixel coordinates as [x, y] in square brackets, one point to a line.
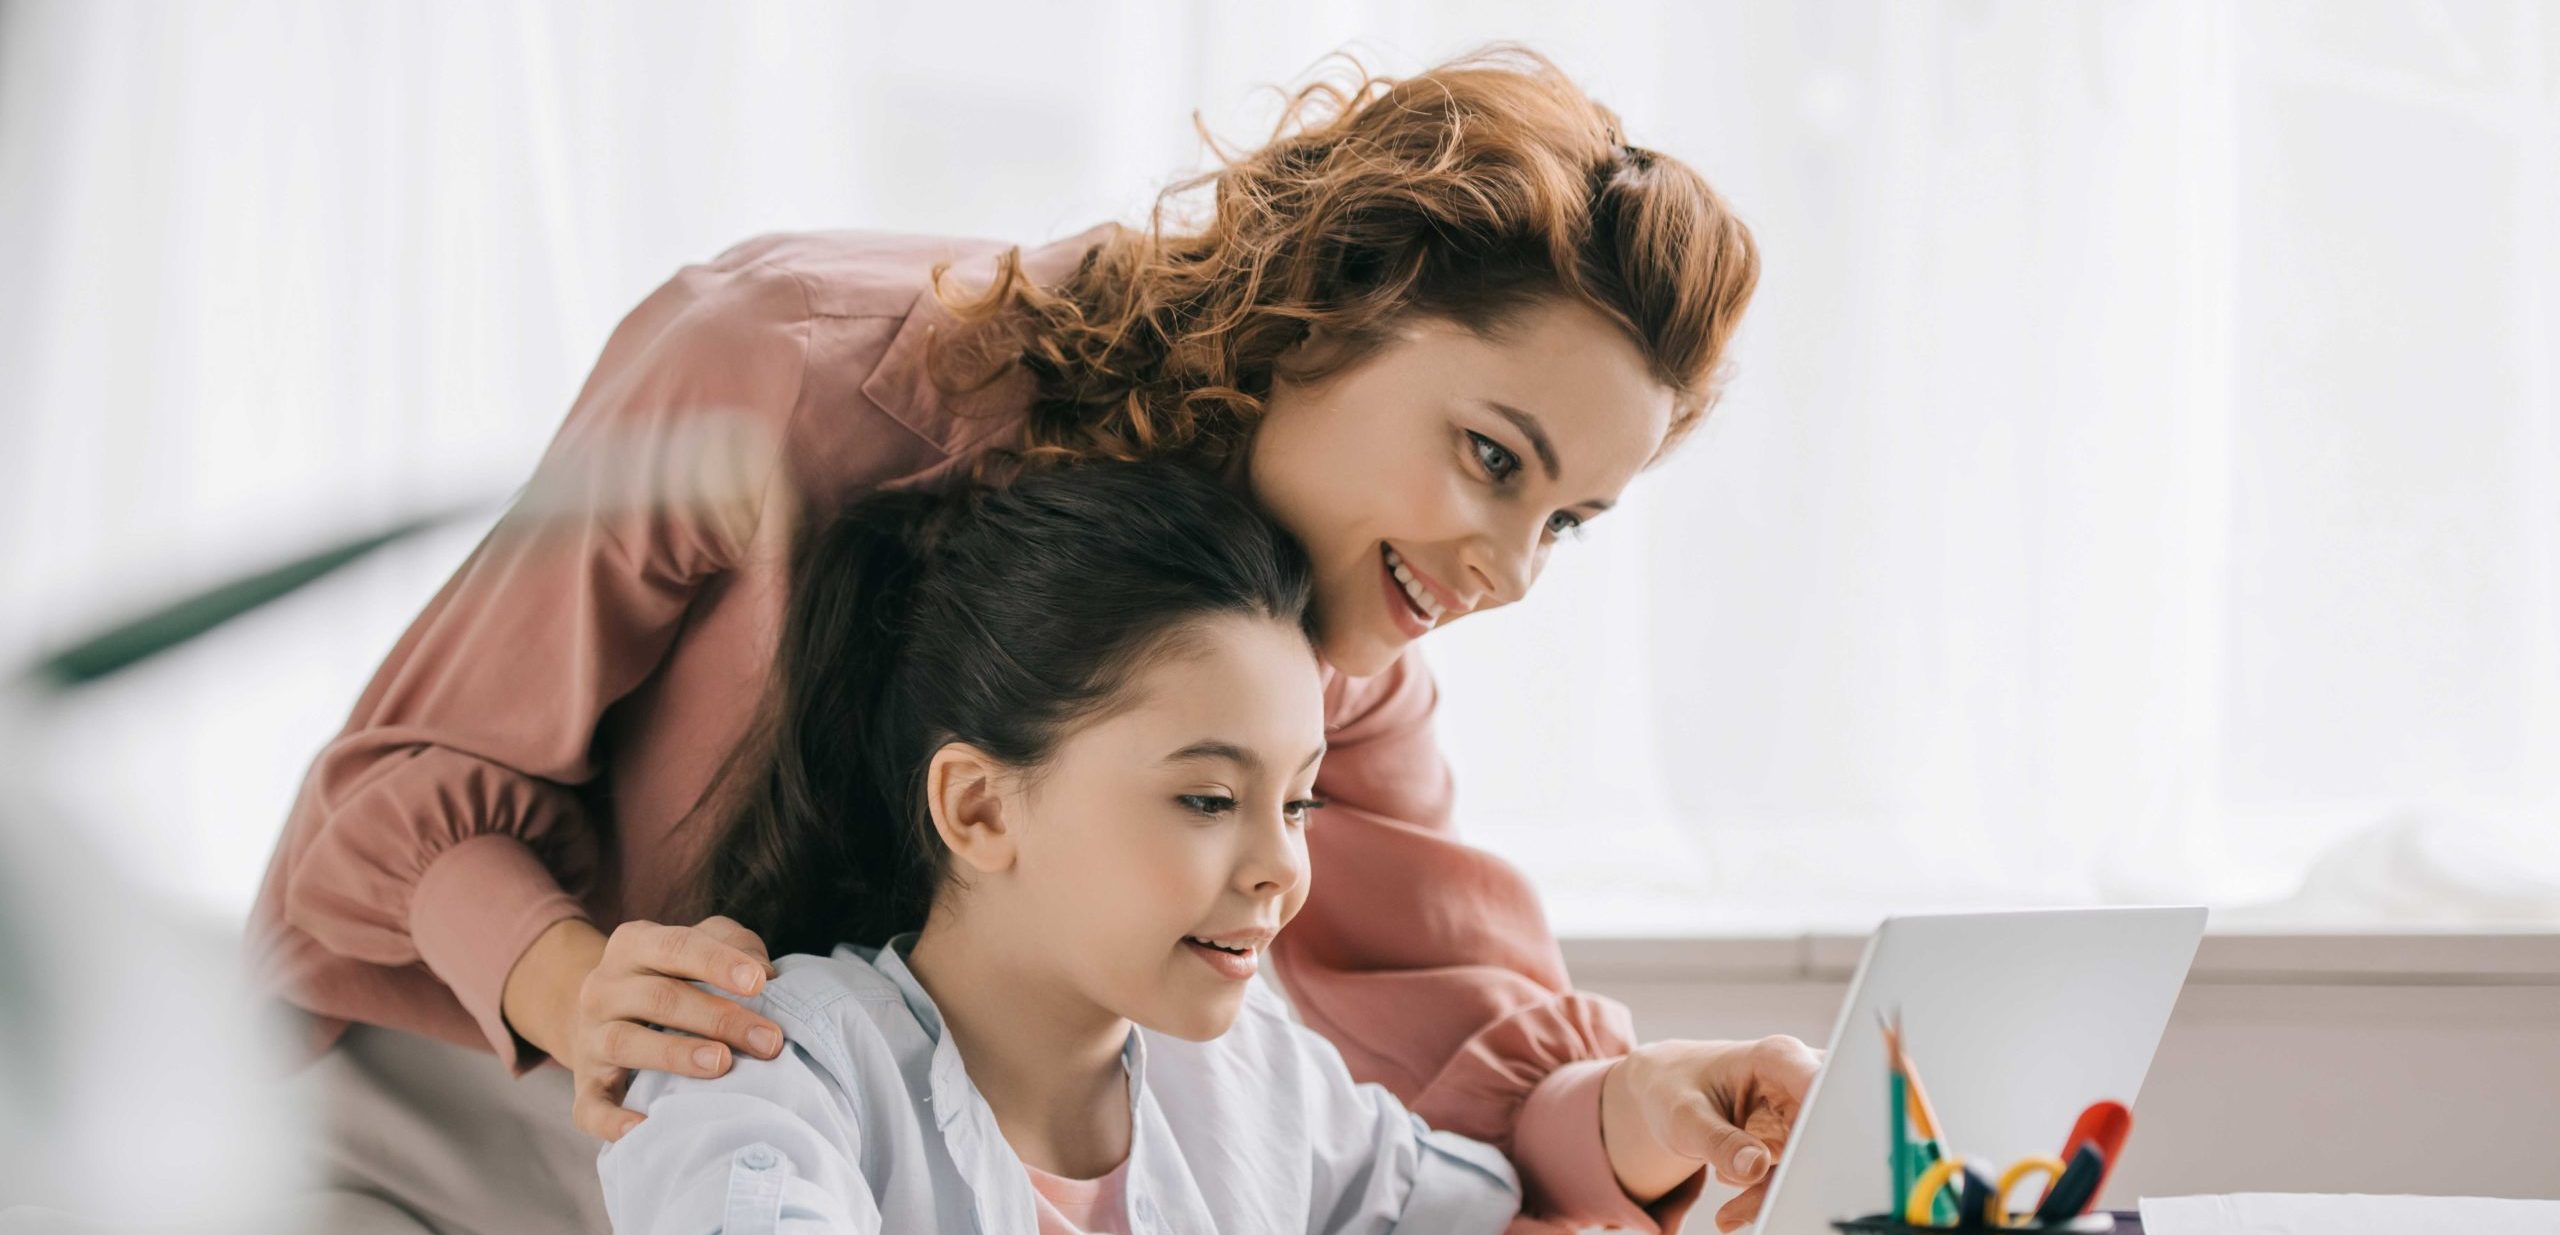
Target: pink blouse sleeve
[1429, 964]
[443, 827]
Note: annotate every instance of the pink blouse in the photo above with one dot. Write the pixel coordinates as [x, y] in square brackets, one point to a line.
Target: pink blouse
[525, 752]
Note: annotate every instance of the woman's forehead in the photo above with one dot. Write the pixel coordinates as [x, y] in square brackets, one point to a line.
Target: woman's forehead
[1573, 367]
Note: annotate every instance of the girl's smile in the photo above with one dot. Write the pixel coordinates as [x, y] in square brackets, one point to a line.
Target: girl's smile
[1233, 955]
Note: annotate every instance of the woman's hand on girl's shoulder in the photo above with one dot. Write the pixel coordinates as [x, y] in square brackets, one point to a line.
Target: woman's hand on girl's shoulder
[638, 1010]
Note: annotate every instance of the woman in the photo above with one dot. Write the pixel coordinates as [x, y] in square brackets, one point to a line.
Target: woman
[1431, 327]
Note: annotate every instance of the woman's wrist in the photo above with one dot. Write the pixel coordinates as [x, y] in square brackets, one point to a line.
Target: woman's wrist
[1646, 1169]
[540, 1000]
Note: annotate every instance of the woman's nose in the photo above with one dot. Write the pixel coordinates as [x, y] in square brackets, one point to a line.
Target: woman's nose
[1504, 572]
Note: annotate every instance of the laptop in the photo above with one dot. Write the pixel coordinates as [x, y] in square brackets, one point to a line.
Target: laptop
[2015, 1022]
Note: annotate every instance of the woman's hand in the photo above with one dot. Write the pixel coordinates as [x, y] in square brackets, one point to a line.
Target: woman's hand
[602, 1006]
[1671, 1106]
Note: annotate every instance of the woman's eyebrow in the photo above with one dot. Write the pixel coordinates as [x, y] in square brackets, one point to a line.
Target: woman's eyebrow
[1536, 431]
[1234, 753]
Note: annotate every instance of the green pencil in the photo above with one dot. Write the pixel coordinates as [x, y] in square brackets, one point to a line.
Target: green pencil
[1906, 1170]
[1942, 1207]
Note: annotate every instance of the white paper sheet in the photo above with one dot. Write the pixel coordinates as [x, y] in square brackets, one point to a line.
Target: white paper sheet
[2285, 1213]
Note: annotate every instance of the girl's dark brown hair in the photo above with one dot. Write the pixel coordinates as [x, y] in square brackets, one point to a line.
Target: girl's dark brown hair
[997, 617]
[1467, 192]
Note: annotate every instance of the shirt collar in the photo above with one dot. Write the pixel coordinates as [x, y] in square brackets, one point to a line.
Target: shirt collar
[1000, 1191]
[902, 385]
[948, 1073]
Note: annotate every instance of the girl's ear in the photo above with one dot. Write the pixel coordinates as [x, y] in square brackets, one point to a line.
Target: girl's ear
[964, 787]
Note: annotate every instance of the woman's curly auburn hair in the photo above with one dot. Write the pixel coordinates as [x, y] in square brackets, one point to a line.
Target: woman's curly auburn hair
[1469, 192]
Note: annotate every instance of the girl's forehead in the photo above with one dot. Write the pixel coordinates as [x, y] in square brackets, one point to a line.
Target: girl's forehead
[1248, 684]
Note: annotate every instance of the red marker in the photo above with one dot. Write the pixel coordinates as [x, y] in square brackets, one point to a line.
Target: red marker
[2105, 1125]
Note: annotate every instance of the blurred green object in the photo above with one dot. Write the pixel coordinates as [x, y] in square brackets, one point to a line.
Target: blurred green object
[67, 969]
[183, 620]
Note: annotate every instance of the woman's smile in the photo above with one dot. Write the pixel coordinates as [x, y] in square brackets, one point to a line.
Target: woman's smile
[1477, 449]
[1408, 606]
[1417, 602]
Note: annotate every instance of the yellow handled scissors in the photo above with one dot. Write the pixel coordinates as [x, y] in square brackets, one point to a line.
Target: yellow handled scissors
[1924, 1194]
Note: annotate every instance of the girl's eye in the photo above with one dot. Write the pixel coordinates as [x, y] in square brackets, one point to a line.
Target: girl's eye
[1213, 805]
[1565, 523]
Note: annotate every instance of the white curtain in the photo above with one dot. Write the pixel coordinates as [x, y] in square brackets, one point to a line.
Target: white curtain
[2141, 477]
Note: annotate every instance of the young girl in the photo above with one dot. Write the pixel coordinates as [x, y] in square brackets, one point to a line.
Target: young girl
[1039, 766]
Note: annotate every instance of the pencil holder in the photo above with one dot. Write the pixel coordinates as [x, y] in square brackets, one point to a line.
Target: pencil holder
[1892, 1224]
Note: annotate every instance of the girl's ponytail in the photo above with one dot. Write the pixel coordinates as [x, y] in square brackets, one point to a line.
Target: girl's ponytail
[816, 848]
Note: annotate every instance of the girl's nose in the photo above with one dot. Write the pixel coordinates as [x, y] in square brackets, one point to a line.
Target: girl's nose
[1277, 862]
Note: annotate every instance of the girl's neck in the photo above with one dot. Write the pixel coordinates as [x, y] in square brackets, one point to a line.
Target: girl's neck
[1046, 1059]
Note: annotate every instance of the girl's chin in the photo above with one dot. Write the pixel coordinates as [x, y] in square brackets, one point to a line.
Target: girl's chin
[1197, 1020]
[1199, 1029]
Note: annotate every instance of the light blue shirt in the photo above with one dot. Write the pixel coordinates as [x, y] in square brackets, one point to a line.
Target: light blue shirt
[868, 1122]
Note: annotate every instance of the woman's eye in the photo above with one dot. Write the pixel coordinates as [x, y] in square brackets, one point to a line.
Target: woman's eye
[1501, 464]
[1207, 803]
[1303, 807]
[1496, 459]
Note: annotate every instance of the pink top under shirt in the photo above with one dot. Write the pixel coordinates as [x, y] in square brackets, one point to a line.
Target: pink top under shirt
[525, 751]
[1080, 1206]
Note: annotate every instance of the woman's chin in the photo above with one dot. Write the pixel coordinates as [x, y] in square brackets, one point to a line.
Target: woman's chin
[1360, 653]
